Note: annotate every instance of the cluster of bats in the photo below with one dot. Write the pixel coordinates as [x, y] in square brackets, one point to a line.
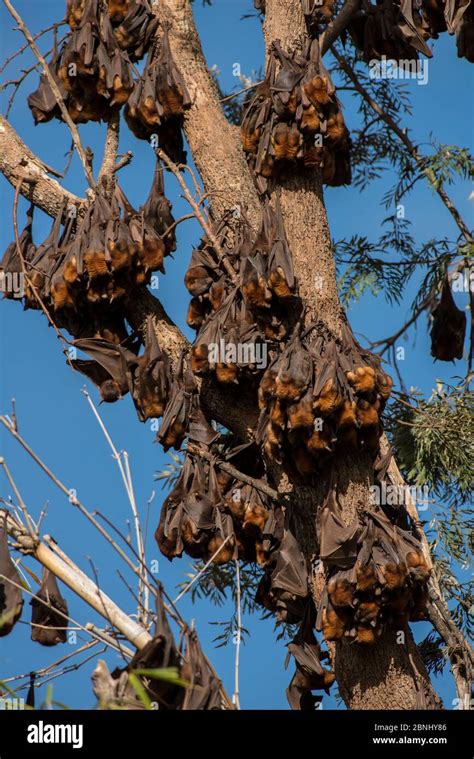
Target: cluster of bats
[87, 266]
[376, 573]
[210, 515]
[157, 105]
[319, 393]
[400, 29]
[49, 609]
[241, 295]
[93, 69]
[202, 690]
[209, 511]
[293, 117]
[448, 327]
[94, 73]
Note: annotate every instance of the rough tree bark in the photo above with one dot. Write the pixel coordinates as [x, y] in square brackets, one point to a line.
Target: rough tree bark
[393, 676]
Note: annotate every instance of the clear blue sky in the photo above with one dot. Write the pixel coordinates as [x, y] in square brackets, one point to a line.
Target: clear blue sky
[53, 415]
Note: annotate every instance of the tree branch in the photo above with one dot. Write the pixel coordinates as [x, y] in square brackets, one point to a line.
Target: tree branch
[18, 162]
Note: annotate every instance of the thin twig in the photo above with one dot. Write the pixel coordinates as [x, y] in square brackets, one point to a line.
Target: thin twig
[56, 92]
[235, 697]
[201, 571]
[261, 485]
[174, 168]
[127, 481]
[20, 500]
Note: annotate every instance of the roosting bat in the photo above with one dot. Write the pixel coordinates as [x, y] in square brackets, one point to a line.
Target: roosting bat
[449, 327]
[11, 265]
[49, 612]
[159, 653]
[203, 692]
[11, 602]
[108, 369]
[150, 376]
[310, 674]
[137, 29]
[176, 416]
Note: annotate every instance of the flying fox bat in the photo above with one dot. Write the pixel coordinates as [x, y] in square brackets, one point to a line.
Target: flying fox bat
[310, 674]
[294, 371]
[160, 653]
[48, 613]
[118, 9]
[203, 692]
[289, 579]
[11, 265]
[108, 369]
[115, 77]
[157, 210]
[253, 282]
[201, 272]
[137, 30]
[449, 327]
[42, 102]
[257, 110]
[74, 12]
[337, 541]
[281, 278]
[284, 92]
[150, 375]
[11, 602]
[174, 426]
[317, 12]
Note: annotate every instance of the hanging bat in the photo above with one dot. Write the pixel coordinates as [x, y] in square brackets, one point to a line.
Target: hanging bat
[49, 612]
[108, 369]
[118, 9]
[157, 210]
[284, 89]
[203, 692]
[337, 541]
[253, 282]
[449, 327]
[257, 111]
[294, 371]
[115, 76]
[160, 653]
[11, 602]
[310, 674]
[42, 102]
[175, 422]
[150, 375]
[74, 12]
[281, 277]
[137, 30]
[289, 579]
[11, 265]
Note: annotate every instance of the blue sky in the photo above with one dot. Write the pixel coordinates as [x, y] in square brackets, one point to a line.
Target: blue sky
[53, 415]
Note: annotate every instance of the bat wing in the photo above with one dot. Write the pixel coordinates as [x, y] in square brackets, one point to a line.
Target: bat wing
[11, 602]
[48, 611]
[290, 572]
